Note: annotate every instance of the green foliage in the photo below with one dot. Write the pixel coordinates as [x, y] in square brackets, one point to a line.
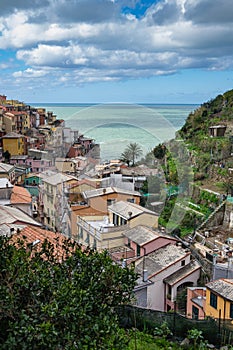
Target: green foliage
[159, 151]
[208, 197]
[163, 331]
[7, 156]
[167, 210]
[143, 341]
[205, 149]
[197, 339]
[50, 304]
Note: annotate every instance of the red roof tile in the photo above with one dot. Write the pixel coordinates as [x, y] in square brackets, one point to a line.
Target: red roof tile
[20, 195]
[36, 237]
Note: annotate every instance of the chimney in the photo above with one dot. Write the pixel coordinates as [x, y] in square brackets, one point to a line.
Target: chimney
[145, 276]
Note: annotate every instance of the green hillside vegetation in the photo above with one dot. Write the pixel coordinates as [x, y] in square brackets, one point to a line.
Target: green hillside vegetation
[207, 136]
[205, 149]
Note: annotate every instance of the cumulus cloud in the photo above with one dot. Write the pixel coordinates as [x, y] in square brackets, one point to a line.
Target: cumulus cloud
[89, 40]
[30, 73]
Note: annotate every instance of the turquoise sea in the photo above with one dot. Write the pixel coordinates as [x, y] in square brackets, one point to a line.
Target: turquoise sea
[114, 126]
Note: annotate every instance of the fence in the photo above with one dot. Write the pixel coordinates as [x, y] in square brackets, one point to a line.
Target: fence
[145, 319]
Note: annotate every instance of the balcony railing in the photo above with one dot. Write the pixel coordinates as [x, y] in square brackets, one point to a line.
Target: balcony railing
[91, 230]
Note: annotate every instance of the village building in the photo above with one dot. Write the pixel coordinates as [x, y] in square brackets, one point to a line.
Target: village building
[74, 166]
[53, 200]
[7, 171]
[127, 212]
[164, 274]
[9, 217]
[6, 188]
[196, 300]
[20, 198]
[14, 143]
[101, 198]
[9, 122]
[217, 130]
[97, 229]
[219, 299]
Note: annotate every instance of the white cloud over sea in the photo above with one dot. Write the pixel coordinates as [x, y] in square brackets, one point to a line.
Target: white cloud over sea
[81, 41]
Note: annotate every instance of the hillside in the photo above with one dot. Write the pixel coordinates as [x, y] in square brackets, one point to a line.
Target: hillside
[207, 137]
[208, 134]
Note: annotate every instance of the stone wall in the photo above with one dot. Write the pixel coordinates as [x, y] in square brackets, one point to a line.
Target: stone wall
[228, 216]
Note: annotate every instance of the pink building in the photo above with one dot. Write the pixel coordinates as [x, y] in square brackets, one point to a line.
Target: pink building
[143, 240]
[196, 299]
[163, 275]
[38, 165]
[18, 159]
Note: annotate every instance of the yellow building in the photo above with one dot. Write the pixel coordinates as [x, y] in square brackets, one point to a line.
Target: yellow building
[26, 123]
[14, 143]
[219, 299]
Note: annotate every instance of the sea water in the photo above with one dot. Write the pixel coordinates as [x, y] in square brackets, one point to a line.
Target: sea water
[114, 126]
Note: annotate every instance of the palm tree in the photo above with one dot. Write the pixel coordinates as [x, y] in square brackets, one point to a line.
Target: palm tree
[126, 157]
[131, 153]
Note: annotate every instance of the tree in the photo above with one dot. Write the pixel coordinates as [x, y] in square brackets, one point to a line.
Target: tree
[131, 153]
[7, 156]
[46, 303]
[159, 151]
[126, 157]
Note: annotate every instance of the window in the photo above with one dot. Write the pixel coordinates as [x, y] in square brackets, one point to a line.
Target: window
[138, 250]
[183, 263]
[110, 201]
[123, 221]
[213, 300]
[87, 240]
[131, 200]
[231, 310]
[115, 219]
[195, 312]
[81, 232]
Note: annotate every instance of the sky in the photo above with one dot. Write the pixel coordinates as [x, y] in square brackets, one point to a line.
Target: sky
[109, 51]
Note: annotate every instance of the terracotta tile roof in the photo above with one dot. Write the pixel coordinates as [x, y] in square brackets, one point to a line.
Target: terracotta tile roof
[20, 195]
[84, 210]
[36, 237]
[82, 182]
